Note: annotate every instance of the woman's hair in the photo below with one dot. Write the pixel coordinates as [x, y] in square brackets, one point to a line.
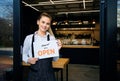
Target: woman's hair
[46, 15]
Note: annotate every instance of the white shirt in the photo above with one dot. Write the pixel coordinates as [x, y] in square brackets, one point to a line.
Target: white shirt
[27, 49]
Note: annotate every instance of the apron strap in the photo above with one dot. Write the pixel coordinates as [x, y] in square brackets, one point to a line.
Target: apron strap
[32, 45]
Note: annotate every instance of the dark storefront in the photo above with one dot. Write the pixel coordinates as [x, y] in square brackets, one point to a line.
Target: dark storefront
[100, 47]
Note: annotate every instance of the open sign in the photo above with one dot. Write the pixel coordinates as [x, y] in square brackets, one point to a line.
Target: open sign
[46, 49]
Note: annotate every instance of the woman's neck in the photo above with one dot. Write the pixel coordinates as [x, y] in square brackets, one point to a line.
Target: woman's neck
[41, 33]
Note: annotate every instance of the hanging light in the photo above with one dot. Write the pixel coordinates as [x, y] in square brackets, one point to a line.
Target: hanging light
[93, 22]
[79, 22]
[54, 23]
[66, 22]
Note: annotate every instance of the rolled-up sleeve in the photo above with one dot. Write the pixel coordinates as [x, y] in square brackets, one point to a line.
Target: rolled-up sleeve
[26, 48]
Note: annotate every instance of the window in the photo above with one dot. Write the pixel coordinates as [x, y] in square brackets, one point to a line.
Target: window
[6, 23]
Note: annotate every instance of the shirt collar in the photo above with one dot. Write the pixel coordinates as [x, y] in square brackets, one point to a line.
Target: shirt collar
[47, 33]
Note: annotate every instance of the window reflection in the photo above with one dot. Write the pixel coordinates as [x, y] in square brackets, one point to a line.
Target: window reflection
[118, 38]
[118, 23]
[118, 14]
[6, 23]
[6, 40]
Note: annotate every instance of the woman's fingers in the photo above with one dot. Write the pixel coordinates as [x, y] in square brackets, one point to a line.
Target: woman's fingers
[32, 60]
[59, 43]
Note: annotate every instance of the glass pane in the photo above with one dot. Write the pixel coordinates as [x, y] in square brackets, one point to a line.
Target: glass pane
[6, 39]
[118, 14]
[118, 38]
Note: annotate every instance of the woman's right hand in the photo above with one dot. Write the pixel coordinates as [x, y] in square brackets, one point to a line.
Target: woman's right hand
[32, 60]
[59, 44]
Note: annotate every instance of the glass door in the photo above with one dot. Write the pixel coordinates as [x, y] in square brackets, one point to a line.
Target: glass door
[118, 38]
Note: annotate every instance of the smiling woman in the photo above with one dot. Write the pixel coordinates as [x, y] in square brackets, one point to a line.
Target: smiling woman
[35, 52]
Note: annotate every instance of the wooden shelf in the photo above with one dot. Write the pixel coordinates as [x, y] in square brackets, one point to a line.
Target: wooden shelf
[75, 26]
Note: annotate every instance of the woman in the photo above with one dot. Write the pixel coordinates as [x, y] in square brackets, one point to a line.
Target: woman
[41, 69]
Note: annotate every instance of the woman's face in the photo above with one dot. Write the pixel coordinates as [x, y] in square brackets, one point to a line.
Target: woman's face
[44, 23]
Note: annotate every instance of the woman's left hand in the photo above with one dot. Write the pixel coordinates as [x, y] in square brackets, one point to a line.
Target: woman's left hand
[59, 44]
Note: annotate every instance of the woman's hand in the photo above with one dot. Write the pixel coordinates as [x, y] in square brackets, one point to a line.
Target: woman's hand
[59, 44]
[32, 60]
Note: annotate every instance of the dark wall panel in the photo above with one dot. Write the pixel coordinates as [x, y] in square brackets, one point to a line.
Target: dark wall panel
[28, 21]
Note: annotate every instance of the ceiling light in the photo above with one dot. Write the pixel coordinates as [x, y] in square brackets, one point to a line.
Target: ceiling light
[84, 4]
[26, 4]
[89, 11]
[51, 2]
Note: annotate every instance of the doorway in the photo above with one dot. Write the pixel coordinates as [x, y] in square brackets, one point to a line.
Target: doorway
[107, 63]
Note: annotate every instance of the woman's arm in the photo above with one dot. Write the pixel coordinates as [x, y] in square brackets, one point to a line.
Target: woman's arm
[26, 48]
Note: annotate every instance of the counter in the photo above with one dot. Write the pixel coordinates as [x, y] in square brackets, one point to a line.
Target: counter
[80, 46]
[81, 54]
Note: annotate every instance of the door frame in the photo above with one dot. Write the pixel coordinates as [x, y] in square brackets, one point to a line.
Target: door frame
[108, 32]
[17, 59]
